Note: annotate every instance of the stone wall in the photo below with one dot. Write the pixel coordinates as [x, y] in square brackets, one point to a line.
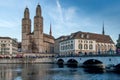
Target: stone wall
[27, 60]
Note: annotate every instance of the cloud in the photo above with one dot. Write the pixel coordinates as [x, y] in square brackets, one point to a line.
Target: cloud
[60, 10]
[67, 20]
[8, 24]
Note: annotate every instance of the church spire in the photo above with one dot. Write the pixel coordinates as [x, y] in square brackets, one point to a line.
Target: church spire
[38, 10]
[119, 37]
[50, 33]
[26, 13]
[103, 32]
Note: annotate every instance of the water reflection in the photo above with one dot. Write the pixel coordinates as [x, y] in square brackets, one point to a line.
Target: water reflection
[51, 72]
[94, 71]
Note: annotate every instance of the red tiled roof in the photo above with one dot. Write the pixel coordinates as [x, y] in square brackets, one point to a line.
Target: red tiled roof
[91, 36]
[5, 38]
[49, 36]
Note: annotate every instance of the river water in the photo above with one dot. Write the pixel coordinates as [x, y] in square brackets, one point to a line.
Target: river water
[51, 72]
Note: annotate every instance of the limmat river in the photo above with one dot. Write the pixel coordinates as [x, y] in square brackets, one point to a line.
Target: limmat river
[51, 72]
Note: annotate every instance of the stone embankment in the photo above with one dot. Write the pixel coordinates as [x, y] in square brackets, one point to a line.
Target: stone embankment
[26, 60]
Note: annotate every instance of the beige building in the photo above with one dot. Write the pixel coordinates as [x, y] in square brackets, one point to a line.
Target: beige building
[56, 45]
[8, 46]
[36, 41]
[86, 43]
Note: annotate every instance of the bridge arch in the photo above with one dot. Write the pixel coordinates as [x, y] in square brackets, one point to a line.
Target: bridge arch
[117, 66]
[93, 63]
[72, 63]
[60, 62]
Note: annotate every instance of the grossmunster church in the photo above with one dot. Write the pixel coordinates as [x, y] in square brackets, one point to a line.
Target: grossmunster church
[36, 41]
[76, 43]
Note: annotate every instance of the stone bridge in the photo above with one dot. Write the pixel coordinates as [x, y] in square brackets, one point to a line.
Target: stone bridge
[105, 60]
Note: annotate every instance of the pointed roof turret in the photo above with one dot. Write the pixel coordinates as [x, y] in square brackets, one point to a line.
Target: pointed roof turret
[50, 33]
[103, 32]
[118, 45]
[118, 41]
[119, 37]
[38, 10]
[26, 13]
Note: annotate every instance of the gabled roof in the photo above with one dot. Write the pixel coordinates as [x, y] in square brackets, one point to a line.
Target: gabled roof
[5, 38]
[49, 36]
[91, 36]
[63, 37]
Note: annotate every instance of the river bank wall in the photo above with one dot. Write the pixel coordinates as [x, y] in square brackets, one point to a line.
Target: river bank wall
[27, 60]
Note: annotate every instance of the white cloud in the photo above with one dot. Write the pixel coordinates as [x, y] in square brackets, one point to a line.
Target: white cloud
[67, 20]
[59, 8]
[8, 24]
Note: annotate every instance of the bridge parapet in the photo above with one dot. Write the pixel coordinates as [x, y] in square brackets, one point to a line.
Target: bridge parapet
[95, 55]
[111, 59]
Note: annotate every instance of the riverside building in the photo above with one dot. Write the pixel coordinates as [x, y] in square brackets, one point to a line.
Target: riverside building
[8, 46]
[118, 45]
[86, 43]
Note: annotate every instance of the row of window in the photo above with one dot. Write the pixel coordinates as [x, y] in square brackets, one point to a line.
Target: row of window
[67, 42]
[4, 52]
[5, 41]
[80, 46]
[85, 46]
[3, 49]
[14, 49]
[105, 45]
[67, 47]
[7, 52]
[85, 41]
[81, 41]
[84, 36]
[4, 45]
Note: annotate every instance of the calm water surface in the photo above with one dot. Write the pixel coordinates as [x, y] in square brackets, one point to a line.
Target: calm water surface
[50, 72]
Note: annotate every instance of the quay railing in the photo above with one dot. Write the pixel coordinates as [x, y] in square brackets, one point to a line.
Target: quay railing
[88, 55]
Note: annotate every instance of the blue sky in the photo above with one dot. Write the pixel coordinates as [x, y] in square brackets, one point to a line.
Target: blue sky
[65, 16]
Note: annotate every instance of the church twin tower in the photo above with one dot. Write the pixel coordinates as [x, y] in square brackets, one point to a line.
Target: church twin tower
[36, 41]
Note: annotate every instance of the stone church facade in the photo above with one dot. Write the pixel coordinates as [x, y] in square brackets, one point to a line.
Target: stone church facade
[36, 41]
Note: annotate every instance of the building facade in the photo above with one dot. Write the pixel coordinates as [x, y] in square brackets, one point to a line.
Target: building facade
[8, 46]
[118, 45]
[36, 41]
[56, 45]
[86, 43]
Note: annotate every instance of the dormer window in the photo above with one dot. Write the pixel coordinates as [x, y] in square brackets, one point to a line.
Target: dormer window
[71, 36]
[82, 35]
[87, 36]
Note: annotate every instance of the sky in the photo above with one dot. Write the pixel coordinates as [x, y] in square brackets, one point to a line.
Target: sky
[65, 16]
